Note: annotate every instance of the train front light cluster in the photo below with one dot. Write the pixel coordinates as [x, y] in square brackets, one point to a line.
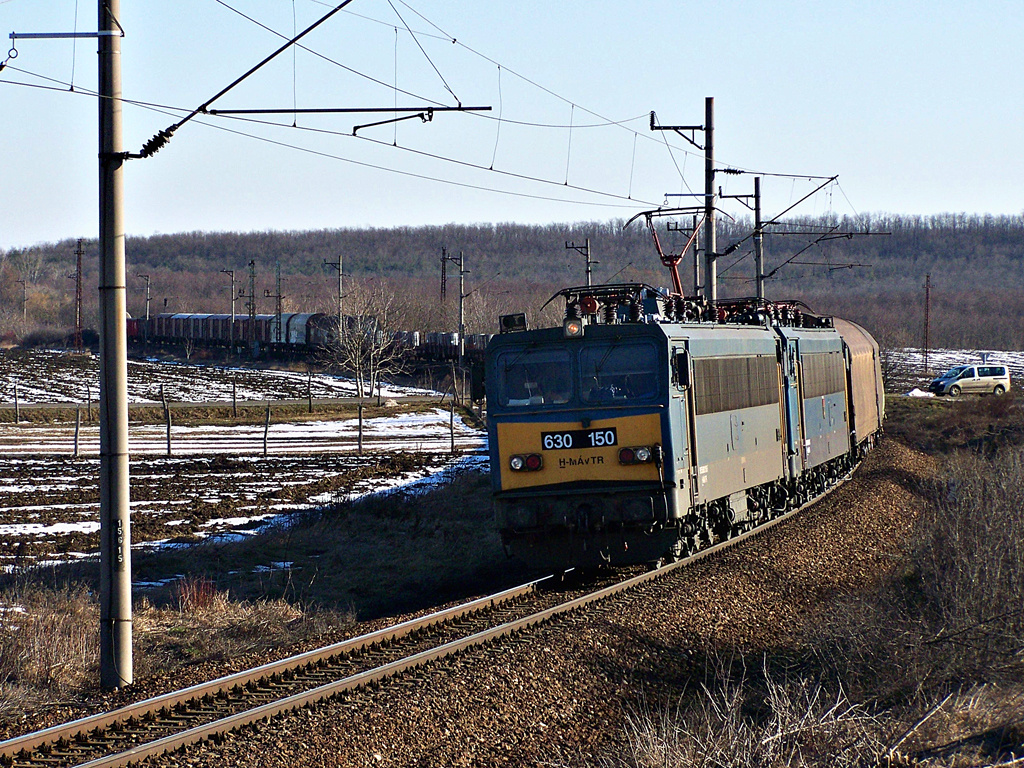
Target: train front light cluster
[640, 454]
[527, 462]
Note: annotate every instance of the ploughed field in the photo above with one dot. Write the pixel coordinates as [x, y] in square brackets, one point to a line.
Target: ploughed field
[47, 376]
[227, 475]
[49, 505]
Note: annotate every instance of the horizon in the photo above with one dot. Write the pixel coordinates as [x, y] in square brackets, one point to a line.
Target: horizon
[874, 216]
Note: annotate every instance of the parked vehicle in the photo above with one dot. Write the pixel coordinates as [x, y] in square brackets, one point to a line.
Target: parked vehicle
[972, 379]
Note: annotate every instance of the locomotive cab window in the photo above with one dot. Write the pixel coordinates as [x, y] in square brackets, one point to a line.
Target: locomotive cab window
[622, 371]
[534, 377]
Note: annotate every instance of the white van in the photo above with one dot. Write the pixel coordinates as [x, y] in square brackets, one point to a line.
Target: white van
[972, 379]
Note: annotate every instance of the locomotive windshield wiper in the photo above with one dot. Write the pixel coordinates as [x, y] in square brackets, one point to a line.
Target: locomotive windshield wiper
[529, 347]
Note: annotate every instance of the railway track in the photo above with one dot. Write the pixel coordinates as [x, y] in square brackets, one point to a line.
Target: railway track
[211, 710]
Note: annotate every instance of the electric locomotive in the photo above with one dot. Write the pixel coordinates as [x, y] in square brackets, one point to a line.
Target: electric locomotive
[649, 426]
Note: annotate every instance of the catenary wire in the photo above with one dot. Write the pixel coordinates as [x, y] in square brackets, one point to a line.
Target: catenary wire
[172, 111]
[606, 122]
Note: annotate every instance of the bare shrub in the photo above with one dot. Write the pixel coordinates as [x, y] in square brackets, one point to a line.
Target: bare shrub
[740, 721]
[953, 613]
[194, 593]
[971, 582]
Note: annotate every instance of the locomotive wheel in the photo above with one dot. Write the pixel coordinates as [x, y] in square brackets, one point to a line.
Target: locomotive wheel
[954, 391]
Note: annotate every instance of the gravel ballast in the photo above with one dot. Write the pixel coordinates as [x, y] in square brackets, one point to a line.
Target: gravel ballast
[561, 695]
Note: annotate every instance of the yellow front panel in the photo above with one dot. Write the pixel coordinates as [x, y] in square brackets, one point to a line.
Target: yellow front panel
[589, 464]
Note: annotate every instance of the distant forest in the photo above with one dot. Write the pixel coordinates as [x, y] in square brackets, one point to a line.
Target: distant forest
[875, 277]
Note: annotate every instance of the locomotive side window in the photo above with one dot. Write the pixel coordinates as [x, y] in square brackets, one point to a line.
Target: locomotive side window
[534, 377]
[619, 372]
[731, 383]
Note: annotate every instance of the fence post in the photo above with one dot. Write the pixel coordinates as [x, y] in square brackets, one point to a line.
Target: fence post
[266, 429]
[360, 429]
[88, 401]
[451, 424]
[167, 417]
[78, 425]
[17, 405]
[234, 397]
[309, 388]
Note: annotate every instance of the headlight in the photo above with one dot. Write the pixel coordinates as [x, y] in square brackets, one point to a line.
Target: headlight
[517, 463]
[643, 454]
[572, 328]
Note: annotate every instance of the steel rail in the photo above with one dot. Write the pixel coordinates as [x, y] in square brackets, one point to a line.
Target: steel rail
[69, 731]
[10, 749]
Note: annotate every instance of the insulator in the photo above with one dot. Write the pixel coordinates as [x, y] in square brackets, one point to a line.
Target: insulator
[681, 304]
[634, 311]
[668, 309]
[609, 313]
[572, 311]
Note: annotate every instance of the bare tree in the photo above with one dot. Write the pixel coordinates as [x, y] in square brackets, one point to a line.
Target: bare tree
[364, 348]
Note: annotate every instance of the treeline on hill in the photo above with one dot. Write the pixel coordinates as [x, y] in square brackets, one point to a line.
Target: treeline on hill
[876, 277]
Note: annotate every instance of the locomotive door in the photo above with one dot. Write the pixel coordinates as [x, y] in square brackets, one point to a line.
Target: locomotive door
[684, 447]
[794, 412]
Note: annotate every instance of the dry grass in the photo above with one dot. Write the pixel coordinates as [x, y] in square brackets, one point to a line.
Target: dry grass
[49, 638]
[943, 425]
[209, 626]
[49, 643]
[388, 554]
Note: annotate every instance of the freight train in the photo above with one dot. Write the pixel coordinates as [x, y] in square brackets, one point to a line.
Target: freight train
[292, 333]
[649, 426]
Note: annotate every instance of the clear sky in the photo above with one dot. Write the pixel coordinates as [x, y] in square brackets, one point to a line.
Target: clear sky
[917, 106]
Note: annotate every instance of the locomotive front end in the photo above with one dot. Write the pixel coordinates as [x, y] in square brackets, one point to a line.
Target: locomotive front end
[578, 439]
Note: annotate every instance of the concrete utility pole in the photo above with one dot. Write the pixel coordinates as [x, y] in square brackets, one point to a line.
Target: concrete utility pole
[78, 296]
[231, 273]
[927, 319]
[148, 298]
[697, 288]
[115, 530]
[341, 294]
[584, 250]
[279, 304]
[462, 308]
[250, 305]
[460, 262]
[710, 242]
[758, 240]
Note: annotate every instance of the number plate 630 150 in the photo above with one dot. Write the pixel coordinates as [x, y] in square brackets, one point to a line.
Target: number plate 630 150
[577, 439]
